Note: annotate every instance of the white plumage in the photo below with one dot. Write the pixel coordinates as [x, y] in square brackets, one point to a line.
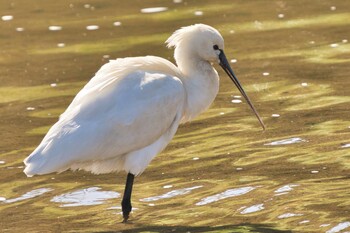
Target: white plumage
[130, 110]
[132, 107]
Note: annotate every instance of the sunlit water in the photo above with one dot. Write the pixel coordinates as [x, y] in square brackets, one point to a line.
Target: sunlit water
[221, 173]
[28, 195]
[84, 197]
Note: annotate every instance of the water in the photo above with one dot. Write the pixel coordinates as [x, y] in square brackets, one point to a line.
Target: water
[285, 189]
[7, 17]
[339, 227]
[85, 197]
[289, 215]
[226, 194]
[153, 10]
[285, 141]
[299, 167]
[170, 194]
[27, 195]
[55, 28]
[253, 209]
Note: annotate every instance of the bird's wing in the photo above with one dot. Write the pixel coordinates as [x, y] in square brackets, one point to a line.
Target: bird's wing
[108, 76]
[109, 118]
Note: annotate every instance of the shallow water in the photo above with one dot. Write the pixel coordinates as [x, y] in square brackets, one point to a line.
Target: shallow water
[221, 173]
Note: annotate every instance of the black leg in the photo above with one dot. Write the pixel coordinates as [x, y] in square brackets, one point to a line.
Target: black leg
[126, 202]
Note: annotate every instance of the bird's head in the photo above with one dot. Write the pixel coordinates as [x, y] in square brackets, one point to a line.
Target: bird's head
[204, 42]
[199, 40]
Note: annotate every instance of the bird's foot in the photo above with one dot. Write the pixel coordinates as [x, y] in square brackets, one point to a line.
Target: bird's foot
[126, 208]
[125, 218]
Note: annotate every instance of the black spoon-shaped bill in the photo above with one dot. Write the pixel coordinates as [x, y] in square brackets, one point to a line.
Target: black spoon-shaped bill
[227, 68]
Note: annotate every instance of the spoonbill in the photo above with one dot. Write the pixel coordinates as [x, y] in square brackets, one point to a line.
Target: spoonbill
[131, 109]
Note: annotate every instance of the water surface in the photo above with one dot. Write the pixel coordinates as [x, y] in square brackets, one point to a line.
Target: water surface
[222, 173]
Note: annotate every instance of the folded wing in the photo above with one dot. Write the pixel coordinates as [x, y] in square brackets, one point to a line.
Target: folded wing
[122, 109]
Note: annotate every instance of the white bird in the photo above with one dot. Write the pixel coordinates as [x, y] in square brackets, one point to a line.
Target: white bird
[131, 109]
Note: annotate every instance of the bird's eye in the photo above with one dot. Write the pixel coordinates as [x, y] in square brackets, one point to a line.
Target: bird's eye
[215, 47]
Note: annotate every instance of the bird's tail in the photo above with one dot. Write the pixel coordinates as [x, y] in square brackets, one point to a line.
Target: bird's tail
[32, 164]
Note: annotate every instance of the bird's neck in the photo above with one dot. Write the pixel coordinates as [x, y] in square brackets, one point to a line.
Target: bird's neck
[201, 82]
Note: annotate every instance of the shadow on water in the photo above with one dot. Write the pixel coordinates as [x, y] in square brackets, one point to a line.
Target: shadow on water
[241, 228]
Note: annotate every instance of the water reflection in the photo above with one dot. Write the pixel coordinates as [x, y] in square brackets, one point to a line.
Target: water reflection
[117, 23]
[171, 194]
[28, 195]
[226, 194]
[153, 10]
[7, 17]
[55, 28]
[302, 45]
[85, 197]
[285, 142]
[289, 215]
[92, 27]
[286, 188]
[253, 208]
[198, 13]
[339, 227]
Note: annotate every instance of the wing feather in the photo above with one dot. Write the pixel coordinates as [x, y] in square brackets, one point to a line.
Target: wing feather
[122, 109]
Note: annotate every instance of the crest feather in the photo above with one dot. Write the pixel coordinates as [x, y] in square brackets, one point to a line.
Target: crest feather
[178, 36]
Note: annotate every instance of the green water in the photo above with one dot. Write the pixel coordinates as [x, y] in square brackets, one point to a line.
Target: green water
[221, 173]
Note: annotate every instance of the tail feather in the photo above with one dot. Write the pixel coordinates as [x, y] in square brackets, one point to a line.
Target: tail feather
[34, 162]
[39, 163]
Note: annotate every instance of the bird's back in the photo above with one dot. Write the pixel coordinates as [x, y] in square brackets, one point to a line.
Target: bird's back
[129, 104]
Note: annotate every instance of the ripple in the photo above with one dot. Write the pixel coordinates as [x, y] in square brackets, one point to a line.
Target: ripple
[236, 101]
[153, 10]
[7, 17]
[334, 45]
[285, 142]
[117, 24]
[85, 197]
[92, 27]
[339, 227]
[253, 208]
[61, 45]
[55, 28]
[171, 194]
[228, 193]
[286, 188]
[346, 145]
[289, 215]
[198, 13]
[28, 195]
